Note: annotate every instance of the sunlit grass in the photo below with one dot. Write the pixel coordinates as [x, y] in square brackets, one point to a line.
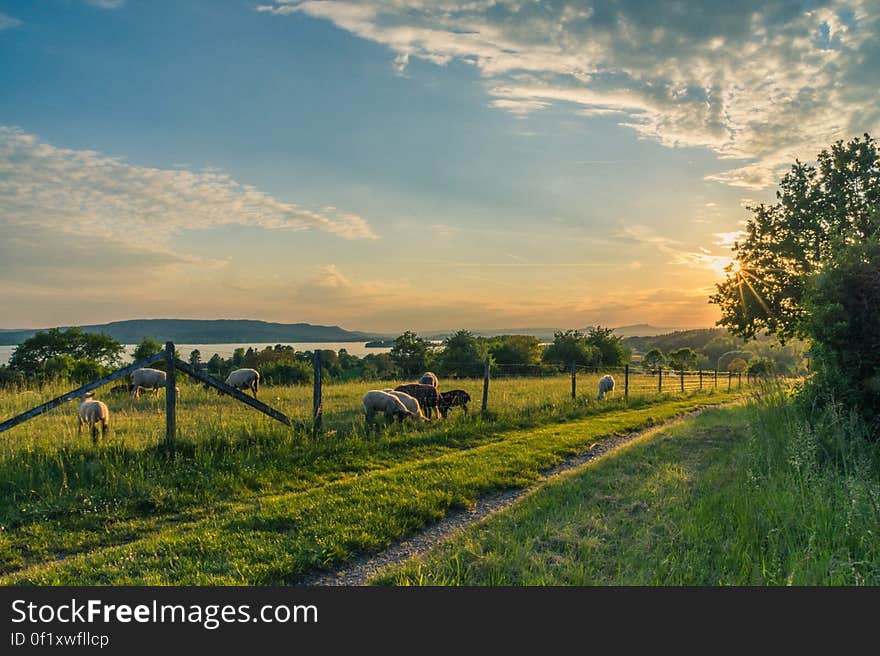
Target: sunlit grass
[265, 509]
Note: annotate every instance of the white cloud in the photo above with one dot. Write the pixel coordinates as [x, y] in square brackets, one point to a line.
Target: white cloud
[8, 22]
[106, 4]
[763, 82]
[81, 191]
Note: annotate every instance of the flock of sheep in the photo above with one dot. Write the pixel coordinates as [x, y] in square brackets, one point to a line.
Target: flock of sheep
[94, 413]
[417, 401]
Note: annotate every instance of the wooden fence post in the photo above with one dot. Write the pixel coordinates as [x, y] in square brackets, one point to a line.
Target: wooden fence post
[573, 380]
[660, 380]
[681, 377]
[626, 382]
[729, 378]
[716, 377]
[739, 382]
[701, 378]
[485, 385]
[317, 392]
[170, 396]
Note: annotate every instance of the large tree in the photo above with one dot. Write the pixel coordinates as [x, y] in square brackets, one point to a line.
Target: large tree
[612, 352]
[516, 353]
[821, 210]
[410, 352]
[571, 347]
[147, 347]
[463, 354]
[31, 355]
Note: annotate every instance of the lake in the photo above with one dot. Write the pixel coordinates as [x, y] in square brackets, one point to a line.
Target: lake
[226, 350]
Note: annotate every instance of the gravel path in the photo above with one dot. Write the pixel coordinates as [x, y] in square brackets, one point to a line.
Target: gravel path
[356, 572]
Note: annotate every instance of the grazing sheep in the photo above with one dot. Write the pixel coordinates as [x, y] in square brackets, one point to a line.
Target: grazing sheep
[119, 389]
[244, 379]
[429, 378]
[606, 385]
[451, 399]
[411, 403]
[145, 378]
[426, 395]
[379, 401]
[93, 412]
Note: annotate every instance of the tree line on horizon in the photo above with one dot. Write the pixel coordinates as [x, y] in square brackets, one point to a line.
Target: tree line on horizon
[79, 357]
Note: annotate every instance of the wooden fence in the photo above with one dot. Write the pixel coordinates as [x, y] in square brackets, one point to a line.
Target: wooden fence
[172, 364]
[652, 381]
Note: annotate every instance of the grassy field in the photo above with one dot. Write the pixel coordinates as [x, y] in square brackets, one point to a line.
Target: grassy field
[746, 495]
[245, 499]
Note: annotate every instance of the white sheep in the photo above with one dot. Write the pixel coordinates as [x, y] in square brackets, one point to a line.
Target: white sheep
[429, 378]
[244, 379]
[379, 401]
[411, 403]
[606, 385]
[93, 412]
[147, 379]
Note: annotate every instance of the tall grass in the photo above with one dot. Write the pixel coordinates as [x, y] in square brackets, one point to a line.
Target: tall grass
[62, 494]
[763, 494]
[810, 508]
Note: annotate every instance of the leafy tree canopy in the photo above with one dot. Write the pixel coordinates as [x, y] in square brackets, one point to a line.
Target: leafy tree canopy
[683, 358]
[147, 347]
[653, 359]
[571, 346]
[30, 356]
[463, 355]
[610, 349]
[821, 209]
[410, 353]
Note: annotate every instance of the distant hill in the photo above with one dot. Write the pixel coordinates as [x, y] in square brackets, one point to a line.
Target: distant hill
[209, 331]
[695, 339]
[645, 330]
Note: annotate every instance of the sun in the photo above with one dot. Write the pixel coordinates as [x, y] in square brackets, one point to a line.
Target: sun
[735, 267]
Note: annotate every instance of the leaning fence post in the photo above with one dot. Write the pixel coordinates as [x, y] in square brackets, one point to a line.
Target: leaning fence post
[317, 402]
[170, 396]
[626, 382]
[485, 385]
[660, 379]
[573, 380]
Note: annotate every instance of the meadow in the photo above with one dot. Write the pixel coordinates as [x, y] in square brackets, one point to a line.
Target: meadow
[747, 494]
[245, 499]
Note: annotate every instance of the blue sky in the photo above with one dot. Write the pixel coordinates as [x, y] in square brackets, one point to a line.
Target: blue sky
[411, 165]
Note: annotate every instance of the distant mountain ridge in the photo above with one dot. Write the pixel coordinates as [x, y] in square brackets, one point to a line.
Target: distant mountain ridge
[208, 331]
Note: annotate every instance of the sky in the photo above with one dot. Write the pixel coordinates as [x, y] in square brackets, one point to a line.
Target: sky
[406, 164]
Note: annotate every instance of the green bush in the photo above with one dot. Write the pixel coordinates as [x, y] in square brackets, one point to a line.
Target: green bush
[843, 303]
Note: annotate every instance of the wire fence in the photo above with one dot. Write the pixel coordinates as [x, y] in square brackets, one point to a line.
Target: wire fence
[543, 383]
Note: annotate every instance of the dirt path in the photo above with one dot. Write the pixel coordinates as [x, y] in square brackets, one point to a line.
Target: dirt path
[359, 570]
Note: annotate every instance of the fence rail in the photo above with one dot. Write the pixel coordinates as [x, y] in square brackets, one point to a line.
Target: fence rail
[172, 365]
[88, 387]
[631, 380]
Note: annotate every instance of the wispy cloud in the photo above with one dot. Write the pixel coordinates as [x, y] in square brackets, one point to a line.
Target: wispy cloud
[82, 191]
[8, 22]
[106, 4]
[762, 82]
